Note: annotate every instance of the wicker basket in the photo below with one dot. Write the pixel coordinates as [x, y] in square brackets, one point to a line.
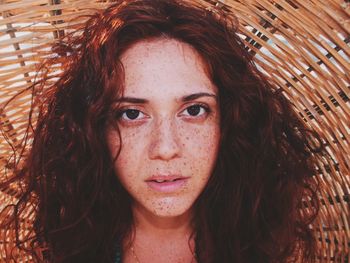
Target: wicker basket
[301, 45]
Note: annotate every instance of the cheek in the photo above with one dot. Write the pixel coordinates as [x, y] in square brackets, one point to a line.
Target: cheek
[132, 145]
[126, 157]
[131, 162]
[125, 168]
[200, 151]
[113, 143]
[127, 160]
[202, 141]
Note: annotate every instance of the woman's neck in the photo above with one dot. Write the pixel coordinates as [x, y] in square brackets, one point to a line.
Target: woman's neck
[160, 239]
[148, 223]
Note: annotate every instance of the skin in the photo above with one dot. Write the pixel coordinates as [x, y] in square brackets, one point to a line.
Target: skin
[165, 133]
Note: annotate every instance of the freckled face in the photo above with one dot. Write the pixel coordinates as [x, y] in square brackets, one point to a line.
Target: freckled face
[169, 125]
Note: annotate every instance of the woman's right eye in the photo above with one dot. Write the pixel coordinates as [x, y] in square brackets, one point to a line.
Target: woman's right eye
[131, 114]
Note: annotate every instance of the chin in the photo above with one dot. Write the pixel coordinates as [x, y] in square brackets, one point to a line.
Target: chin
[170, 207]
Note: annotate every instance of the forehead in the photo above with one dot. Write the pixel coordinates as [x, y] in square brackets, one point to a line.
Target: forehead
[164, 65]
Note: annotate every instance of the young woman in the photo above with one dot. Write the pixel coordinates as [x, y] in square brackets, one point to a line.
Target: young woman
[161, 142]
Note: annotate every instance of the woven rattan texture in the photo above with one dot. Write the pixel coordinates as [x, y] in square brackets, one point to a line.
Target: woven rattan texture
[303, 46]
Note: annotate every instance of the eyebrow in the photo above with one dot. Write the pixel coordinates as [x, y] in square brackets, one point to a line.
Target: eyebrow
[183, 99]
[197, 95]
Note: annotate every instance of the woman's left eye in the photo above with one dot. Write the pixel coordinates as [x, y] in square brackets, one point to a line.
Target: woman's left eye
[196, 110]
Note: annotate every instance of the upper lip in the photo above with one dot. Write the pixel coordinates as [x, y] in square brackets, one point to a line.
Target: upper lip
[170, 177]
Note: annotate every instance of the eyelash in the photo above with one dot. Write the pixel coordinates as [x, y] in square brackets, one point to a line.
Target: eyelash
[121, 112]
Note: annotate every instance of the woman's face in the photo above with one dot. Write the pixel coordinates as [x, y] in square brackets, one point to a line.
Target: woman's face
[169, 125]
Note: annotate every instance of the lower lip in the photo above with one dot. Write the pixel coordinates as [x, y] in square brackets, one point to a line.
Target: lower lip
[167, 187]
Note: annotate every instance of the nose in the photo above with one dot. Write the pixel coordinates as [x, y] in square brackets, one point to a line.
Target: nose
[165, 144]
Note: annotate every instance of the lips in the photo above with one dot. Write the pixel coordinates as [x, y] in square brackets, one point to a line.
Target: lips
[166, 183]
